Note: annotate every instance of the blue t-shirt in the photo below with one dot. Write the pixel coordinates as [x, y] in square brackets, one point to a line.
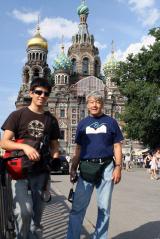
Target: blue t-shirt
[96, 136]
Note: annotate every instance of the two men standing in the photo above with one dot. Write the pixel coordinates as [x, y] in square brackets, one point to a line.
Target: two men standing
[98, 140]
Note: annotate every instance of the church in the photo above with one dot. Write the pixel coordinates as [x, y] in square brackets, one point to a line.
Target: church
[73, 76]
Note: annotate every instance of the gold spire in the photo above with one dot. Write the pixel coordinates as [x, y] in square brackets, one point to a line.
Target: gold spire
[62, 46]
[38, 27]
[113, 49]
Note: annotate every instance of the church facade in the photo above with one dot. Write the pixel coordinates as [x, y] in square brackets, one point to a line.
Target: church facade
[74, 76]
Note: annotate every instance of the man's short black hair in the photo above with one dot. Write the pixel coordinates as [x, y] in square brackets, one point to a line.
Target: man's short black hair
[40, 82]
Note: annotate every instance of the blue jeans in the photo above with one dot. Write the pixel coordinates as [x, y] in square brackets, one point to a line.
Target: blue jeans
[81, 201]
[28, 206]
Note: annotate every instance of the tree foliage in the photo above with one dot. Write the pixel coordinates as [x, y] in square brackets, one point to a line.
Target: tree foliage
[138, 80]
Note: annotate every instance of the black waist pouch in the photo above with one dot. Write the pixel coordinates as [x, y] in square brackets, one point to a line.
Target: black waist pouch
[92, 172]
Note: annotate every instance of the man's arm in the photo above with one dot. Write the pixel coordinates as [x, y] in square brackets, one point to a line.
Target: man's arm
[55, 149]
[7, 143]
[75, 162]
[116, 176]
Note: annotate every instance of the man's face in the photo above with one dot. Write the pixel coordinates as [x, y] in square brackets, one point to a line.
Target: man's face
[39, 96]
[94, 106]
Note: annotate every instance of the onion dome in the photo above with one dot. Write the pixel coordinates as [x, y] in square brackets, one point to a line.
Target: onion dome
[111, 63]
[38, 41]
[83, 9]
[62, 62]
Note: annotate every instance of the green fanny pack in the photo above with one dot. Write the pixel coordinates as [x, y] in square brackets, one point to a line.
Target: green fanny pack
[92, 171]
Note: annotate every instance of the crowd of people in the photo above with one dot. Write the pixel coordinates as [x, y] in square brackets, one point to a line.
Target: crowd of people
[149, 160]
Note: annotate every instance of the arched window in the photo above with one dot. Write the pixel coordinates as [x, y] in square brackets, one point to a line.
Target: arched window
[36, 72]
[77, 38]
[74, 66]
[37, 56]
[66, 81]
[59, 79]
[62, 79]
[96, 68]
[85, 66]
[26, 76]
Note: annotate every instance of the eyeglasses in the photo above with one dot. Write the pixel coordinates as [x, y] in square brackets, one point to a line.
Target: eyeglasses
[40, 92]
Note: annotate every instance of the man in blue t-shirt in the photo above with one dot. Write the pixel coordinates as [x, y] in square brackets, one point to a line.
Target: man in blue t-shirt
[98, 139]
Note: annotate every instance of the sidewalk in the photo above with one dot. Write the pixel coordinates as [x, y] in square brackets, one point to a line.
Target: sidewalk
[135, 212]
[55, 218]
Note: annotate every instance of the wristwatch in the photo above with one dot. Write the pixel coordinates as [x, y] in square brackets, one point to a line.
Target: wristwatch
[118, 165]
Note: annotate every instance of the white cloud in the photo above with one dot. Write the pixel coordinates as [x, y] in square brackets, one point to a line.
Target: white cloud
[135, 47]
[56, 27]
[146, 11]
[153, 16]
[100, 46]
[25, 16]
[137, 4]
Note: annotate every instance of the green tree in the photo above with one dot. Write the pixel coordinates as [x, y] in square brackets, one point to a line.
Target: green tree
[138, 79]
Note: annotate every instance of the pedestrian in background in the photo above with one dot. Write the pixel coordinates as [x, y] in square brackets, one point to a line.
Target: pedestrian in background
[98, 140]
[127, 161]
[31, 123]
[147, 161]
[154, 166]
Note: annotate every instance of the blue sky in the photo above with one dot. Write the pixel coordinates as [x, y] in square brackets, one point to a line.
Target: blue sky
[127, 22]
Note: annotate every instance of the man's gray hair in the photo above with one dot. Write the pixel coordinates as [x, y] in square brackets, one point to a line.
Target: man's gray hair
[95, 94]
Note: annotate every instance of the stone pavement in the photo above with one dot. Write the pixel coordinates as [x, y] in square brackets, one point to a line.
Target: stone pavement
[135, 212]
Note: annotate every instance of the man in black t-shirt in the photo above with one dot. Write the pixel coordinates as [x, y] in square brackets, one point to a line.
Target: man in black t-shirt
[31, 123]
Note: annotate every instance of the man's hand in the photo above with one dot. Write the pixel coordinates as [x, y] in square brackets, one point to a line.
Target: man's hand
[31, 152]
[73, 175]
[116, 176]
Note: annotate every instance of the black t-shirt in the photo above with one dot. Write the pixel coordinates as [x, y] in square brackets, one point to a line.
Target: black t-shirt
[28, 124]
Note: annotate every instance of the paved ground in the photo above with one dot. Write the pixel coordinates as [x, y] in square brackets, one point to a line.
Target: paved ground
[135, 210]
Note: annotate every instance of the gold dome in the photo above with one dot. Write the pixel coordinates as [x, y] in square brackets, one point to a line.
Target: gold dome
[38, 40]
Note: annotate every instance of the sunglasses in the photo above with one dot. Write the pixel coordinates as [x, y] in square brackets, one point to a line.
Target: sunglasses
[40, 92]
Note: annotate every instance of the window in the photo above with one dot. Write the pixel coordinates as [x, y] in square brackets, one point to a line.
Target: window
[96, 68]
[85, 66]
[74, 66]
[73, 121]
[36, 73]
[62, 113]
[62, 79]
[62, 134]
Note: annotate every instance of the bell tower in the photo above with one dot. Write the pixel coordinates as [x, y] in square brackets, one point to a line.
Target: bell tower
[83, 53]
[36, 66]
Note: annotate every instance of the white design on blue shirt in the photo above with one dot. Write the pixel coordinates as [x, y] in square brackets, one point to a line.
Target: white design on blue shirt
[96, 128]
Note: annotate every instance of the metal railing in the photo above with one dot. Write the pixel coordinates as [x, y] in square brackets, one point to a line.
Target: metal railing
[6, 205]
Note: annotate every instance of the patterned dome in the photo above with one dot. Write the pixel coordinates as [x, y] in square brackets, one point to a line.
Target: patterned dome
[62, 62]
[83, 9]
[111, 63]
